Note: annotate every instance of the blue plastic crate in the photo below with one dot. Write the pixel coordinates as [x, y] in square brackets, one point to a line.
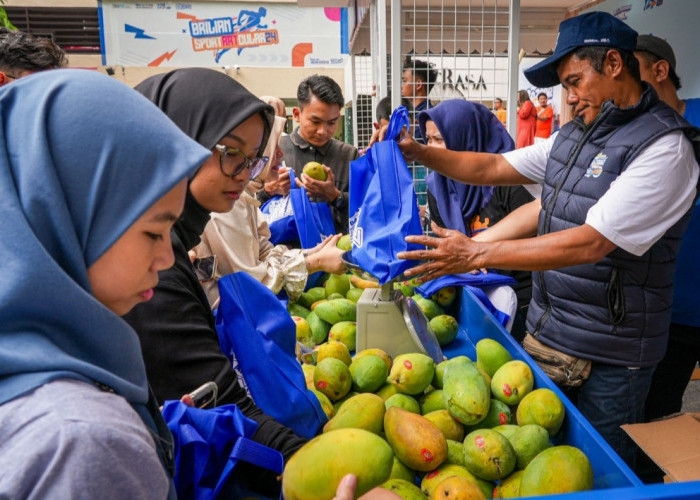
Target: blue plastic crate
[612, 477]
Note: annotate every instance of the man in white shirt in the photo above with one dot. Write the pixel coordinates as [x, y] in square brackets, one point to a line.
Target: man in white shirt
[618, 184]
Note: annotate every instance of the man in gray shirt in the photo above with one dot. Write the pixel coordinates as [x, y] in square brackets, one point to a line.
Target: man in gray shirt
[320, 101]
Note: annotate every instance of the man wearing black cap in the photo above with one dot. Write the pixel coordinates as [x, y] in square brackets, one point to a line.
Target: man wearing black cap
[618, 185]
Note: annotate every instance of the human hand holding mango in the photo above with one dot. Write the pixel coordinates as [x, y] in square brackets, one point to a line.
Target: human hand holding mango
[451, 253]
[326, 256]
[324, 190]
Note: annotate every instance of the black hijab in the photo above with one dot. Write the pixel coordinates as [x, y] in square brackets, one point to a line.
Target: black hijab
[206, 105]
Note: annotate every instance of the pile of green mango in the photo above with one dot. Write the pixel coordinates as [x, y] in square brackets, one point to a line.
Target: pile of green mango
[459, 429]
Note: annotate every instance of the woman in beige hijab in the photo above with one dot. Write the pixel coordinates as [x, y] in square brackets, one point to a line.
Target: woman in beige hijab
[240, 239]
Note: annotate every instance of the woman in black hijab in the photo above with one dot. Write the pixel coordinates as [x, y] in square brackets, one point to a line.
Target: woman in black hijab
[176, 328]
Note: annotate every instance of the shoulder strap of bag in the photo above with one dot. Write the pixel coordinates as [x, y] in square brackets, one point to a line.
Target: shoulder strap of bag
[399, 120]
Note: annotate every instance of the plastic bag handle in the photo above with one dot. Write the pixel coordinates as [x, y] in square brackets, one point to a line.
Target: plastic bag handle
[257, 454]
[399, 120]
[292, 179]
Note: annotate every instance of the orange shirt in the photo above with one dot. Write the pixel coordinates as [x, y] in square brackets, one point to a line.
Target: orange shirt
[544, 121]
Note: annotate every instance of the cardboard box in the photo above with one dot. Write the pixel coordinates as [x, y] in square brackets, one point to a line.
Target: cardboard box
[673, 443]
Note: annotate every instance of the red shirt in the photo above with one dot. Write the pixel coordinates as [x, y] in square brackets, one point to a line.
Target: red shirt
[544, 121]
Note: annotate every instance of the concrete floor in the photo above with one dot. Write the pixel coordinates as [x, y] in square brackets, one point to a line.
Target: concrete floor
[691, 397]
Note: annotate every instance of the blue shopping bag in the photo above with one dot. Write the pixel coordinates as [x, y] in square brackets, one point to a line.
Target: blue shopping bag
[208, 446]
[256, 328]
[383, 206]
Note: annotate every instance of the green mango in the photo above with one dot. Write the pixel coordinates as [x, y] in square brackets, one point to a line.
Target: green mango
[403, 401]
[412, 373]
[386, 391]
[455, 453]
[439, 373]
[336, 295]
[315, 470]
[405, 489]
[311, 295]
[429, 308]
[512, 382]
[363, 411]
[507, 430]
[542, 407]
[354, 294]
[445, 328]
[344, 243]
[296, 309]
[432, 401]
[332, 378]
[491, 355]
[319, 328]
[303, 331]
[510, 486]
[337, 283]
[433, 478]
[445, 296]
[368, 373]
[405, 288]
[337, 310]
[334, 349]
[345, 332]
[528, 441]
[499, 414]
[450, 428]
[466, 394]
[326, 404]
[488, 454]
[400, 471]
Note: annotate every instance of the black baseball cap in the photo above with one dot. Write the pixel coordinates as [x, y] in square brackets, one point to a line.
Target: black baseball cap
[593, 28]
[658, 47]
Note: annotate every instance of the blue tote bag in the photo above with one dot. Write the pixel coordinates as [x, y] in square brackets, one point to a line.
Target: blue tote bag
[294, 217]
[383, 206]
[256, 328]
[208, 446]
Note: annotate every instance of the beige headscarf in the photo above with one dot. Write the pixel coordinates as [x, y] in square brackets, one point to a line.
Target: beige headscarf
[257, 184]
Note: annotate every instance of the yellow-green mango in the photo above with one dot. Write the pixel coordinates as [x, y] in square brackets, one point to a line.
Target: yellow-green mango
[542, 407]
[445, 296]
[507, 430]
[339, 403]
[512, 382]
[455, 453]
[344, 243]
[411, 373]
[315, 470]
[435, 477]
[368, 373]
[364, 411]
[332, 378]
[499, 414]
[556, 470]
[376, 352]
[432, 401]
[416, 441]
[354, 294]
[386, 391]
[334, 349]
[445, 328]
[400, 471]
[326, 404]
[337, 283]
[403, 401]
[335, 295]
[303, 332]
[308, 375]
[429, 308]
[405, 288]
[509, 487]
[405, 489]
[449, 427]
[528, 441]
[311, 295]
[319, 328]
[488, 454]
[336, 310]
[491, 355]
[314, 170]
[465, 392]
[345, 332]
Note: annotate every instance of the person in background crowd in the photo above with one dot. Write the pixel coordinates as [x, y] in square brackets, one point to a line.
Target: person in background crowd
[240, 239]
[545, 113]
[86, 228]
[460, 125]
[384, 110]
[500, 111]
[417, 78]
[22, 54]
[657, 64]
[525, 131]
[318, 113]
[277, 104]
[599, 268]
[176, 328]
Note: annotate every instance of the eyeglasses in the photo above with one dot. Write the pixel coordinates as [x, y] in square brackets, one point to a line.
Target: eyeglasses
[233, 161]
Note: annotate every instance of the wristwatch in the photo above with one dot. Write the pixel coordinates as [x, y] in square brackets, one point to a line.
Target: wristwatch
[338, 202]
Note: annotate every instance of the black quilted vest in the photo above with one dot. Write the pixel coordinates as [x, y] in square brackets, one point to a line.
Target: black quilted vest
[618, 310]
